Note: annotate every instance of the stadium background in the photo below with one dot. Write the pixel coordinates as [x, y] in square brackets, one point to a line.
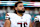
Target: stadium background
[8, 7]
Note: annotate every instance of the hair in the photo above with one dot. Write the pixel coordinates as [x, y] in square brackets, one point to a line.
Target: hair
[16, 4]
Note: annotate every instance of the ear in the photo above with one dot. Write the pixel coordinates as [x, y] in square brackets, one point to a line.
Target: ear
[15, 8]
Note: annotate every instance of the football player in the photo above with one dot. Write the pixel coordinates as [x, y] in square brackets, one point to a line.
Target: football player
[37, 21]
[18, 18]
[37, 18]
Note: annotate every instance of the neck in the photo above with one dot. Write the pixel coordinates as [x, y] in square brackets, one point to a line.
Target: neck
[20, 14]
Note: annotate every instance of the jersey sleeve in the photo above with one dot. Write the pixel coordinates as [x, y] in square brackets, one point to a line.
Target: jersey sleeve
[7, 16]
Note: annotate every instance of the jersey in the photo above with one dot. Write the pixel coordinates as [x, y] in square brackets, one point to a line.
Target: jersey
[18, 21]
[37, 18]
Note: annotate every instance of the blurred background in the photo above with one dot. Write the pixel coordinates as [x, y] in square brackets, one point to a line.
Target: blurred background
[22, 0]
[8, 7]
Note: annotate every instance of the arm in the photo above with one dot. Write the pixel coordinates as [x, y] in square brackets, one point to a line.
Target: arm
[30, 24]
[7, 21]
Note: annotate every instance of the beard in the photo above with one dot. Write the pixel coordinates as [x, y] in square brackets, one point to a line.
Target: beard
[20, 11]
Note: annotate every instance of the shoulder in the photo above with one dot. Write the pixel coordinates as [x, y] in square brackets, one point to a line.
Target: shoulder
[27, 15]
[10, 13]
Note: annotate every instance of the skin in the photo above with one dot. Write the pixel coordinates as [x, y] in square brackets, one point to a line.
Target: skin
[7, 22]
[19, 7]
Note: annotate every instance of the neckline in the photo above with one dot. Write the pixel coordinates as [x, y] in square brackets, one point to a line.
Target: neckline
[19, 16]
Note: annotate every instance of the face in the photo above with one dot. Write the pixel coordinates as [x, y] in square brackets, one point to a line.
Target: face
[20, 8]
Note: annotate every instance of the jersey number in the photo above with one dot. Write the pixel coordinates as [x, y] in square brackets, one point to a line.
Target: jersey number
[21, 24]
